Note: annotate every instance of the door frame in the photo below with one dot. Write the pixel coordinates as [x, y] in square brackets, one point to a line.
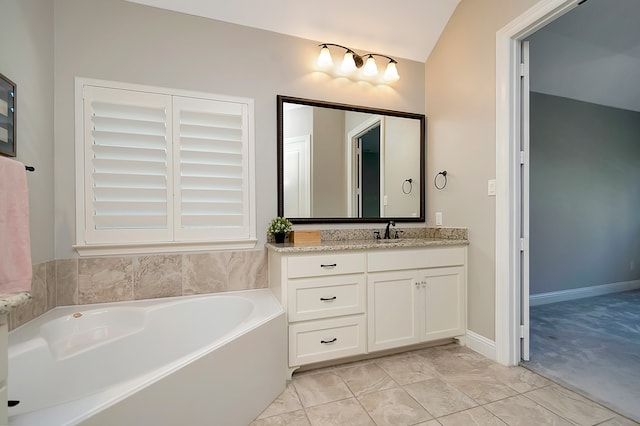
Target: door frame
[508, 294]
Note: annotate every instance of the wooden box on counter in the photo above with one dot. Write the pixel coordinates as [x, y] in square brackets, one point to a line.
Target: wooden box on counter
[304, 237]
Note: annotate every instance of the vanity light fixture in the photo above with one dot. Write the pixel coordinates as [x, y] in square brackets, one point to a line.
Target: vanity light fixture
[352, 61]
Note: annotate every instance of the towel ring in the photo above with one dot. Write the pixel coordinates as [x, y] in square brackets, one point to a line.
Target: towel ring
[435, 180]
[410, 182]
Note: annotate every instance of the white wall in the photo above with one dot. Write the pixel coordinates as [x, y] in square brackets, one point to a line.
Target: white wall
[461, 105]
[122, 41]
[26, 57]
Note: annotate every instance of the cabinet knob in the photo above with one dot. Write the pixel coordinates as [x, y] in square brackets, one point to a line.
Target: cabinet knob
[328, 299]
[326, 342]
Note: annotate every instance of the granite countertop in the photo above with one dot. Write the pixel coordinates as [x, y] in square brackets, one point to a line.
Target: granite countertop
[10, 301]
[365, 244]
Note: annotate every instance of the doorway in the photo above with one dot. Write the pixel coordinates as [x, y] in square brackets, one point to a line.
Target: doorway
[365, 159]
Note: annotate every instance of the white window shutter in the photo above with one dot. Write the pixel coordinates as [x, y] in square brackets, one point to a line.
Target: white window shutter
[128, 178]
[212, 196]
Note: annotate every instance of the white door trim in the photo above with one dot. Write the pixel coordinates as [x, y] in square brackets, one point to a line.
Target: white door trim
[507, 309]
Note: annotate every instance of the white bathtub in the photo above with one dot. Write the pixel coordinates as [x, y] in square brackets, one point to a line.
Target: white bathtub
[210, 360]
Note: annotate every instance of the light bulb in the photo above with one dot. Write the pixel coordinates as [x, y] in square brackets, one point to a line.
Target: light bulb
[391, 73]
[370, 69]
[348, 63]
[325, 60]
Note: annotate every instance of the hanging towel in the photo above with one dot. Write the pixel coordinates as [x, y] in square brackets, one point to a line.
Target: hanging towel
[15, 246]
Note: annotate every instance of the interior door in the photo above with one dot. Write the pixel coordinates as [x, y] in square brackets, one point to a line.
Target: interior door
[297, 176]
[524, 205]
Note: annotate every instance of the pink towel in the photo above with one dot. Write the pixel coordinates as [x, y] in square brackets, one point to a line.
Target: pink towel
[15, 246]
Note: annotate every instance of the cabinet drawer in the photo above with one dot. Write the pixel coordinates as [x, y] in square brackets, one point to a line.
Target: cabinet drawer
[322, 340]
[393, 260]
[323, 264]
[314, 298]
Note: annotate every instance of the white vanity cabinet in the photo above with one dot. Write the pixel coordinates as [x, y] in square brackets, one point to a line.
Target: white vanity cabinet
[342, 303]
[324, 295]
[415, 296]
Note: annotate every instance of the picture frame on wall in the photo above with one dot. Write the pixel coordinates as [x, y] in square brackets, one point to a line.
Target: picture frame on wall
[7, 117]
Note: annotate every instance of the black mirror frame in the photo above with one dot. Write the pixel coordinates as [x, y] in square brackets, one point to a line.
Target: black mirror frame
[8, 90]
[281, 99]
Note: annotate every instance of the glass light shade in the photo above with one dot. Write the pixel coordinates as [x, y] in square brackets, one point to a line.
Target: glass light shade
[370, 69]
[348, 63]
[325, 60]
[391, 73]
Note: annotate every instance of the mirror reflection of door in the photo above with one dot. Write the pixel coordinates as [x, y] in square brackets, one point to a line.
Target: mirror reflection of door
[366, 168]
[369, 173]
[297, 176]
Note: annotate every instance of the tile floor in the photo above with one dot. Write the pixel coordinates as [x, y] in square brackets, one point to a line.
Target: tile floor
[446, 385]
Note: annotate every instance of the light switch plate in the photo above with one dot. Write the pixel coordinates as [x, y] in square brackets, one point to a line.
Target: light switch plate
[491, 188]
[438, 218]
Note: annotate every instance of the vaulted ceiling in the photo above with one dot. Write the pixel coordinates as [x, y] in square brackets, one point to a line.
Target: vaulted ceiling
[403, 29]
[591, 54]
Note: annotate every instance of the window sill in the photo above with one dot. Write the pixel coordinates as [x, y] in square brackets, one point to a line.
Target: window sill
[156, 248]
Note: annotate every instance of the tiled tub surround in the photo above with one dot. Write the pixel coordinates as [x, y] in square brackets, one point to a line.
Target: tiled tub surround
[111, 279]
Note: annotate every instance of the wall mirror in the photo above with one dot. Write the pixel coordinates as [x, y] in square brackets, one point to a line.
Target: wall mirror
[342, 163]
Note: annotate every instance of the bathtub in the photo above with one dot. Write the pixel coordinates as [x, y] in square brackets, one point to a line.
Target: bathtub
[210, 360]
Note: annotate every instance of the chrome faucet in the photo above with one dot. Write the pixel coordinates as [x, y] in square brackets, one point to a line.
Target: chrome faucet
[387, 235]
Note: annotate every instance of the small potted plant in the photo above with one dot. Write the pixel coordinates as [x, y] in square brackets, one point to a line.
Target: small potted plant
[278, 227]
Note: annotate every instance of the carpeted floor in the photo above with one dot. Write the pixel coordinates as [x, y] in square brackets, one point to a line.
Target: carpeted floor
[591, 345]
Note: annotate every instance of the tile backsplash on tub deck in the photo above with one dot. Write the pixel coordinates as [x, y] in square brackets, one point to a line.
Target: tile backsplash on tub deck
[109, 279]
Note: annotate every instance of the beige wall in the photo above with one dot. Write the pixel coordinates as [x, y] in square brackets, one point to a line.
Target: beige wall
[26, 57]
[460, 104]
[121, 41]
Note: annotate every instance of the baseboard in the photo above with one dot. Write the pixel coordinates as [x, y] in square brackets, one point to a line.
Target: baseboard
[481, 344]
[579, 293]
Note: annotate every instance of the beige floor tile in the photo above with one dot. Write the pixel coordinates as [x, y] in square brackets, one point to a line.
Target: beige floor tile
[287, 402]
[521, 411]
[570, 405]
[296, 418]
[481, 386]
[339, 413]
[475, 416]
[407, 369]
[619, 421]
[393, 407]
[439, 397]
[444, 363]
[365, 378]
[518, 378]
[316, 389]
[433, 422]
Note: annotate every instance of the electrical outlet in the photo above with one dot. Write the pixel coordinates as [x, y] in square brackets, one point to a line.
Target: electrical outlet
[632, 265]
[438, 218]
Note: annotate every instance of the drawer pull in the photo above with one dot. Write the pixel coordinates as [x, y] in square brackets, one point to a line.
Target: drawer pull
[326, 342]
[328, 299]
[330, 265]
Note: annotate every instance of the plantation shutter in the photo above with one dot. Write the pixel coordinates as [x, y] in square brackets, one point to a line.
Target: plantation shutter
[127, 166]
[162, 170]
[211, 150]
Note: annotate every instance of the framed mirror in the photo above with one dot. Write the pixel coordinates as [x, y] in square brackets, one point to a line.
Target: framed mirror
[7, 117]
[342, 163]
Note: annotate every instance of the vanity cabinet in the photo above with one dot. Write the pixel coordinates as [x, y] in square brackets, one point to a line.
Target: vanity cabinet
[325, 298]
[352, 302]
[420, 297]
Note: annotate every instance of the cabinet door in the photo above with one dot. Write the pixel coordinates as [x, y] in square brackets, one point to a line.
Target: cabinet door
[392, 306]
[442, 303]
